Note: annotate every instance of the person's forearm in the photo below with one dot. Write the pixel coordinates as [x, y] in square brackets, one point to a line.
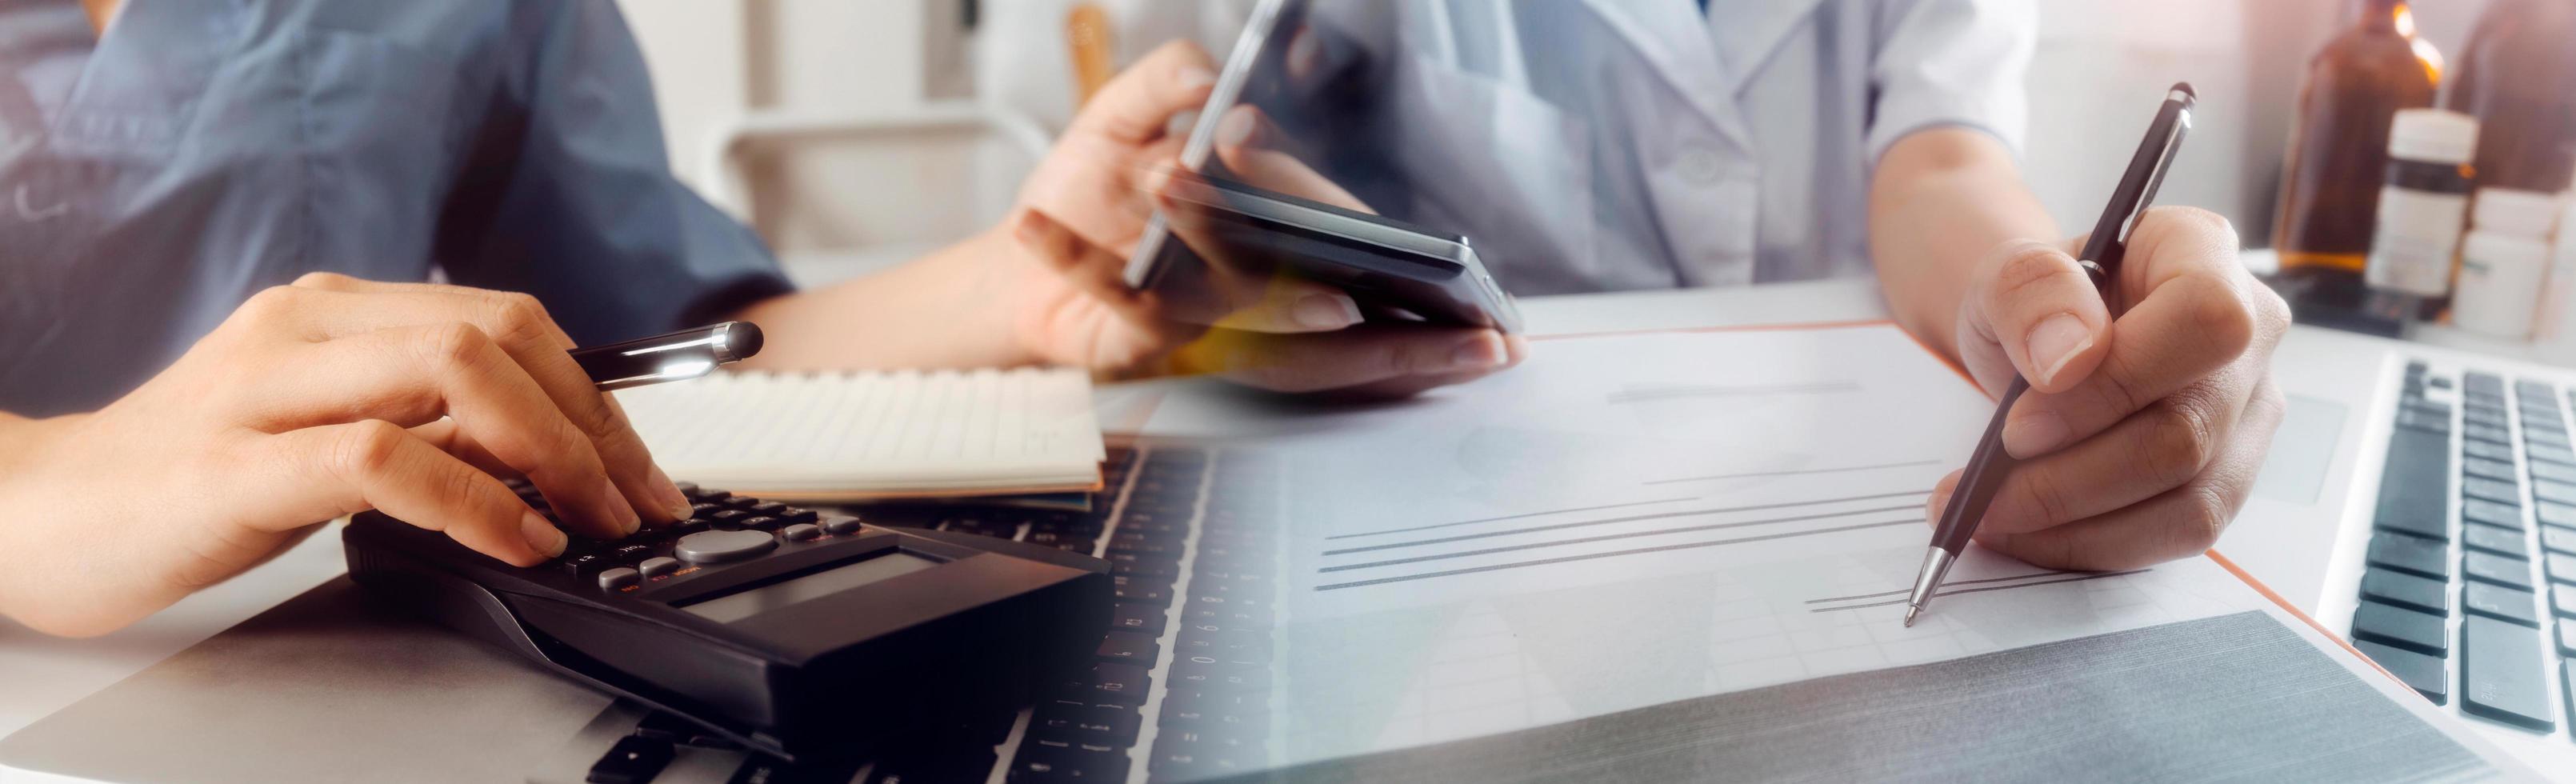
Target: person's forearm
[941, 310]
[1941, 200]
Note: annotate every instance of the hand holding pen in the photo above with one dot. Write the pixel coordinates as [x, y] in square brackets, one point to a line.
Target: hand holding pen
[2136, 399]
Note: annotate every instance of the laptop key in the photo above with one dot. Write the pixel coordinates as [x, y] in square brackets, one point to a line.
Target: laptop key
[2500, 603]
[2491, 513]
[2497, 569]
[2558, 540]
[2487, 469]
[2494, 540]
[2562, 567]
[2559, 515]
[2480, 449]
[2401, 627]
[2405, 590]
[2505, 492]
[1042, 763]
[2567, 640]
[2487, 433]
[2555, 454]
[2553, 492]
[2410, 554]
[2501, 674]
[2425, 674]
[2545, 437]
[2480, 415]
[2413, 492]
[1129, 648]
[2554, 472]
[2562, 599]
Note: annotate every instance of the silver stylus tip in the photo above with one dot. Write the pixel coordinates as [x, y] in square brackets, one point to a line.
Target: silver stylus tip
[1912, 610]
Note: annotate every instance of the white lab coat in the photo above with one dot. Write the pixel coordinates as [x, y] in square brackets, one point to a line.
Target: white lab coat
[1601, 145]
[1593, 145]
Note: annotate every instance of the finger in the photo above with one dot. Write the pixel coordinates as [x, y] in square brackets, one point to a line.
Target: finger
[2197, 310]
[2179, 523]
[1239, 136]
[2161, 447]
[447, 437]
[2038, 305]
[1365, 354]
[348, 468]
[346, 305]
[1400, 388]
[413, 375]
[1135, 105]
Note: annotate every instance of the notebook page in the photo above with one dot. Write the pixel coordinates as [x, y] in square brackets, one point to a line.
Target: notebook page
[874, 433]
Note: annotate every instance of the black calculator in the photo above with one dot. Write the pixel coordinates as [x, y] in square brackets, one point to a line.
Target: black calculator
[793, 631]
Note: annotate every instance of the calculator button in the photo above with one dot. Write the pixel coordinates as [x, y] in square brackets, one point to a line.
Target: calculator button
[620, 577]
[762, 522]
[801, 532]
[797, 514]
[727, 518]
[656, 567]
[841, 525]
[706, 547]
[577, 564]
[628, 553]
[769, 508]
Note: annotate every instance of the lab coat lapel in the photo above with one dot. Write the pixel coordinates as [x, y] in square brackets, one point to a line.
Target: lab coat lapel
[1672, 38]
[1750, 31]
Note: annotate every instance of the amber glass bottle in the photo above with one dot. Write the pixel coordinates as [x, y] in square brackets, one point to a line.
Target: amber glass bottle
[2339, 151]
[2518, 77]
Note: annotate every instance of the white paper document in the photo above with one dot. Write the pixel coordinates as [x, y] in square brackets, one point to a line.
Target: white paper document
[1629, 521]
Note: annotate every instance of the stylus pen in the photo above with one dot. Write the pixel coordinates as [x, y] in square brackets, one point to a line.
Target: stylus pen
[688, 353]
[1988, 466]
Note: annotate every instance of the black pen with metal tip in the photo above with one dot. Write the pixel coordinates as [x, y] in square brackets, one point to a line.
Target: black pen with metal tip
[685, 354]
[2101, 258]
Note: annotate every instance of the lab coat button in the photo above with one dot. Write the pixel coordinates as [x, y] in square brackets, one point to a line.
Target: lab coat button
[1700, 166]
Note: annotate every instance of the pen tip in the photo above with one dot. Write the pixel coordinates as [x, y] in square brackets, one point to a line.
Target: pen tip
[1912, 610]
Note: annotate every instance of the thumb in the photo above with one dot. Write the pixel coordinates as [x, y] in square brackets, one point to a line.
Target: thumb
[1138, 105]
[2034, 302]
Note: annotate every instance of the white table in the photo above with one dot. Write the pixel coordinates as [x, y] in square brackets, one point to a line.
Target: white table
[39, 675]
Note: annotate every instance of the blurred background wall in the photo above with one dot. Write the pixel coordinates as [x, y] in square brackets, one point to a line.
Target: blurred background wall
[868, 138]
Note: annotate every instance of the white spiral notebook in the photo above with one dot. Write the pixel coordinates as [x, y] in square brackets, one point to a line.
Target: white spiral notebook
[854, 435]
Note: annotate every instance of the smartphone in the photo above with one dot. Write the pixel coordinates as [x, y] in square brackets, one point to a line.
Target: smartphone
[1394, 270]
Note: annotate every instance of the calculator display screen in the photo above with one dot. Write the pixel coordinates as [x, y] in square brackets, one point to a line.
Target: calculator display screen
[736, 606]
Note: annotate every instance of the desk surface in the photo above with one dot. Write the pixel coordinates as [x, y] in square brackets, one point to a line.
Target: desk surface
[39, 675]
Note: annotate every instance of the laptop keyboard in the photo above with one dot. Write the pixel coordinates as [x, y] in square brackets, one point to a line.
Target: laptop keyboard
[1180, 683]
[2511, 622]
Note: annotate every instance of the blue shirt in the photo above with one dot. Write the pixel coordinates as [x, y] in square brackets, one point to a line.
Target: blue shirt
[153, 178]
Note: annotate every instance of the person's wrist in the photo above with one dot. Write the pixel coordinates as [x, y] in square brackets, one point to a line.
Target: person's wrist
[23, 440]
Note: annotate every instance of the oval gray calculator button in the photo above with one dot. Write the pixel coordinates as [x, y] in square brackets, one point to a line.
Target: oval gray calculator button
[721, 546]
[656, 567]
[801, 532]
[617, 578]
[840, 525]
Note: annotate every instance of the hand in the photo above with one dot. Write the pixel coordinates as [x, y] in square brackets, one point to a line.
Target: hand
[320, 399]
[1084, 209]
[2140, 436]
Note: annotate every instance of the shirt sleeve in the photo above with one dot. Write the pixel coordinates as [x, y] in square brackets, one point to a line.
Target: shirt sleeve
[1951, 63]
[566, 192]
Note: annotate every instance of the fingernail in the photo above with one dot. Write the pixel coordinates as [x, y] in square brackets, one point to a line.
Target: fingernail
[541, 534]
[2054, 342]
[672, 499]
[620, 512]
[2035, 434]
[1026, 228]
[1194, 77]
[1325, 311]
[1932, 507]
[1482, 351]
[1235, 129]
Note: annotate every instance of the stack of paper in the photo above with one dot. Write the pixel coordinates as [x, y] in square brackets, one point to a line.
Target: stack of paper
[845, 436]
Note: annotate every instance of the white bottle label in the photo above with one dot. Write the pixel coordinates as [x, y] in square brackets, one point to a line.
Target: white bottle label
[2411, 246]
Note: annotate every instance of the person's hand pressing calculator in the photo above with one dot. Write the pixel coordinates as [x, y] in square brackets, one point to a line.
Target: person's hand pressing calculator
[315, 400]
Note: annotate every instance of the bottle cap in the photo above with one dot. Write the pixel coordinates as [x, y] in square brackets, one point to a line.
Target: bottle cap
[2433, 135]
[2523, 213]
